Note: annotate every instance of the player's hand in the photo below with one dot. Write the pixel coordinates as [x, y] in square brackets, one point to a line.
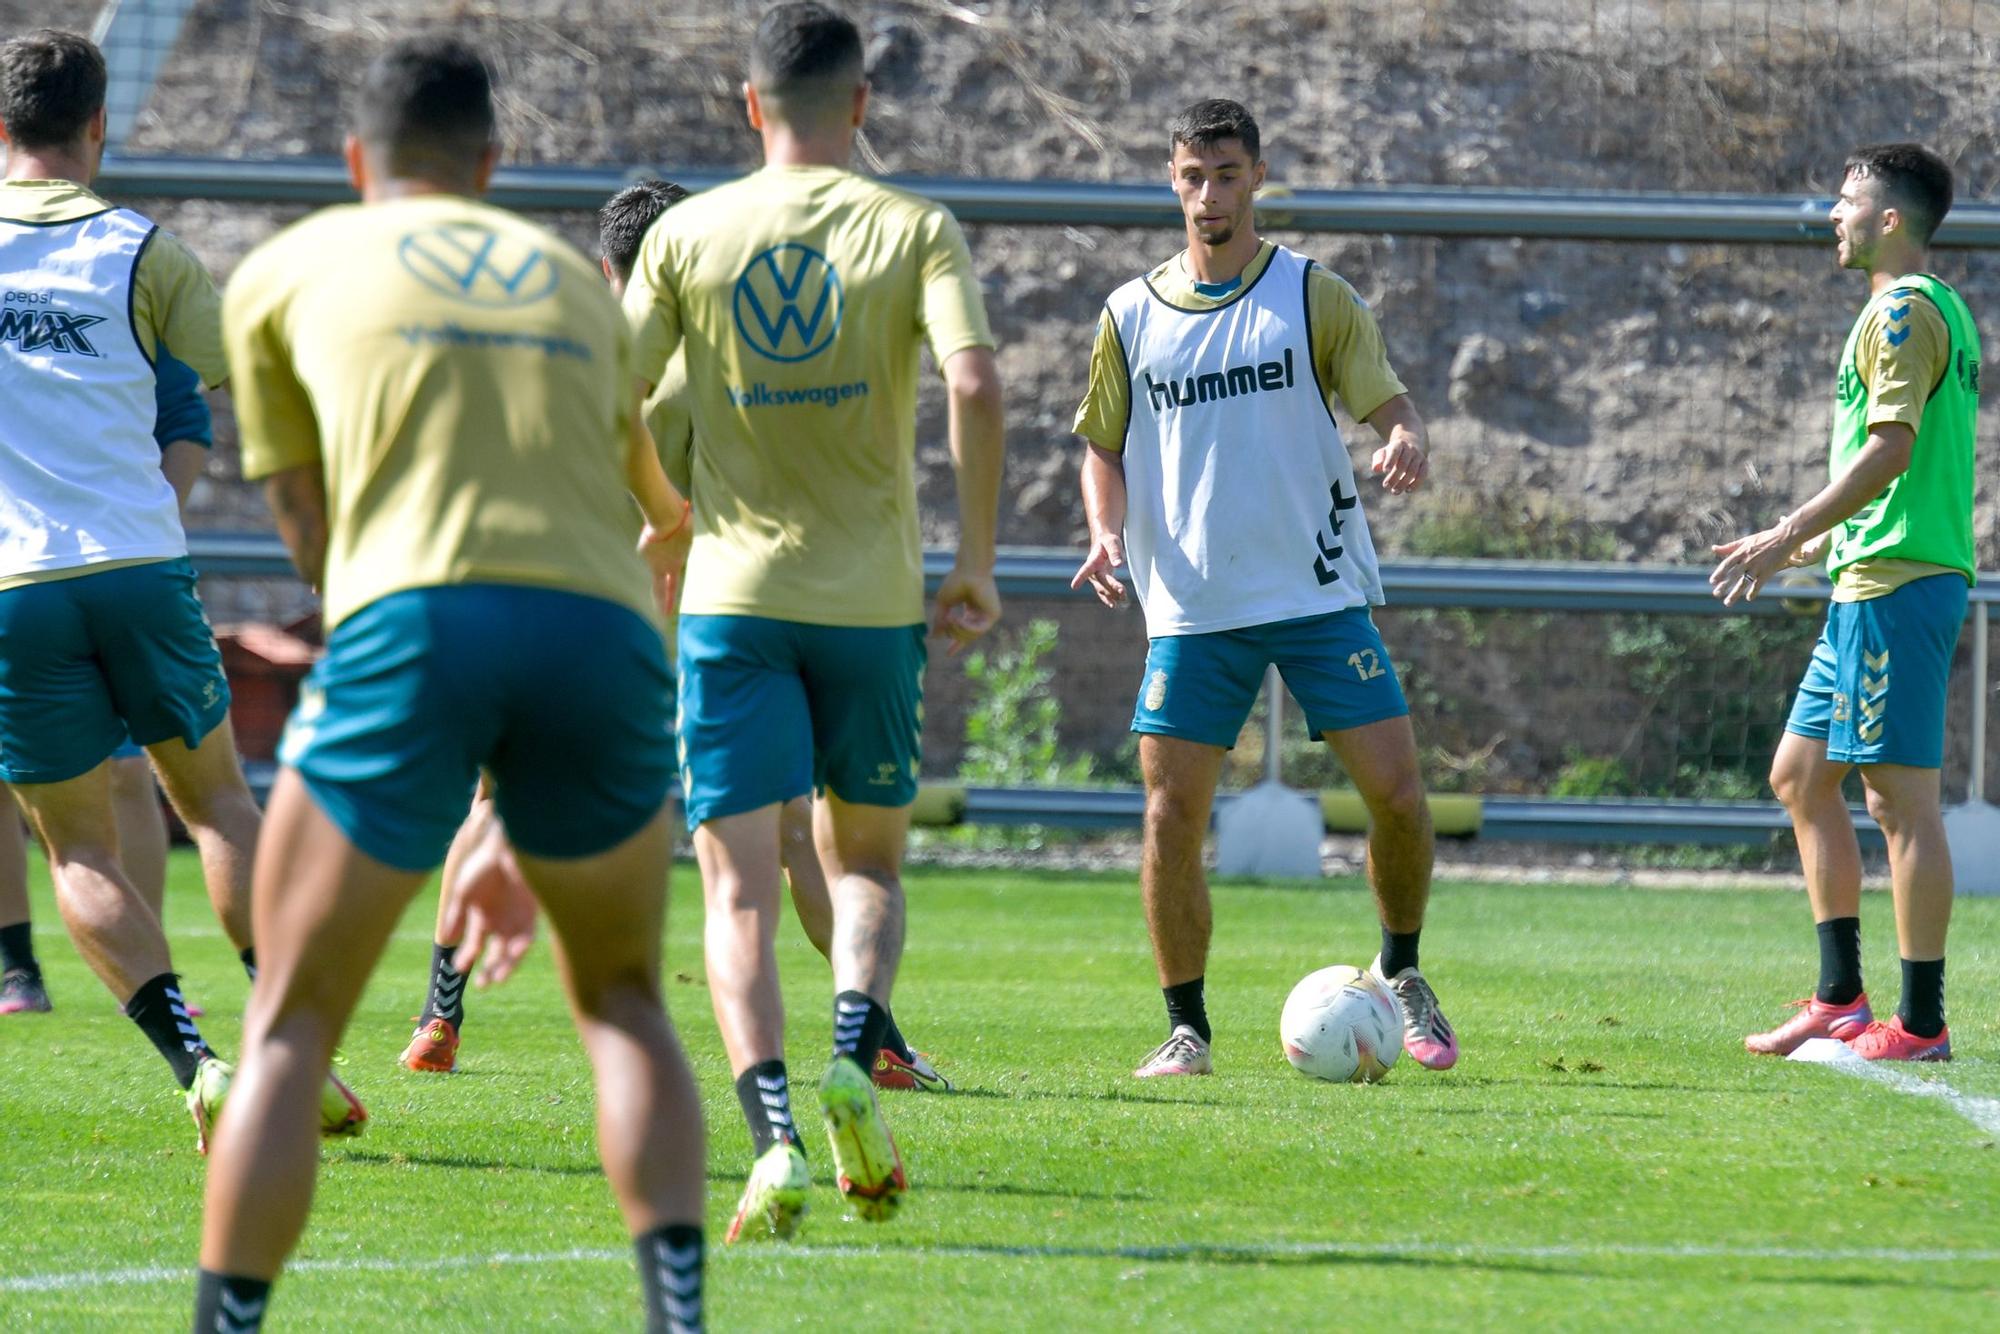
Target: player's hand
[1814, 551]
[491, 910]
[1099, 568]
[1401, 464]
[666, 556]
[968, 605]
[1748, 562]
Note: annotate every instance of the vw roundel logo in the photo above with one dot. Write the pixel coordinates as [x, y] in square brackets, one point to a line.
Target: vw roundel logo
[788, 303]
[476, 265]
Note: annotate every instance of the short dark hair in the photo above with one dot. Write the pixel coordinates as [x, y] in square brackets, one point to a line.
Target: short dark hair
[427, 102]
[51, 84]
[1210, 122]
[622, 222]
[1914, 179]
[805, 49]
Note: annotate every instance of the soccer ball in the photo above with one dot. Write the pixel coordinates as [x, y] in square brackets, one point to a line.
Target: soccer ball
[1340, 1024]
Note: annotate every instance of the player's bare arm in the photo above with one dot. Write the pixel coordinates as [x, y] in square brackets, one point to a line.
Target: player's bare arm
[968, 601]
[1747, 562]
[182, 462]
[489, 905]
[1104, 508]
[668, 533]
[1403, 461]
[297, 497]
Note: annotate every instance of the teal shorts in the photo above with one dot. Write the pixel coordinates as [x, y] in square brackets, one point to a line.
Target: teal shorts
[90, 661]
[565, 700]
[772, 710]
[1875, 690]
[1200, 687]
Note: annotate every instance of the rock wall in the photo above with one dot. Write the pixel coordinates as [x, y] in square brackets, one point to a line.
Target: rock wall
[1634, 401]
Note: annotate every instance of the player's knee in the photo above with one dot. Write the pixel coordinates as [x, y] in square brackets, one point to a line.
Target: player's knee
[1173, 814]
[735, 894]
[1886, 812]
[1400, 800]
[226, 808]
[1790, 783]
[626, 999]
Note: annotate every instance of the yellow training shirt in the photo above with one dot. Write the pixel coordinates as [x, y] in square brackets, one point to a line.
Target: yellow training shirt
[173, 299]
[801, 297]
[1347, 347]
[462, 377]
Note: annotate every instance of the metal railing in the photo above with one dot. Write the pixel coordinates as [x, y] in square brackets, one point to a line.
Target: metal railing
[1417, 211]
[1409, 582]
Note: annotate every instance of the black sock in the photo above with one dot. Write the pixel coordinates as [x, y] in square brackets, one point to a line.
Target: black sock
[228, 1303]
[1399, 950]
[766, 1097]
[161, 1015]
[892, 1040]
[17, 946]
[858, 1025]
[1922, 1010]
[1184, 1006]
[670, 1276]
[1839, 961]
[248, 954]
[446, 1000]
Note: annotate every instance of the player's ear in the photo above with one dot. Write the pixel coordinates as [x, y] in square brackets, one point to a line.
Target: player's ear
[1892, 220]
[860, 103]
[605, 264]
[94, 133]
[357, 163]
[753, 110]
[482, 175]
[1257, 175]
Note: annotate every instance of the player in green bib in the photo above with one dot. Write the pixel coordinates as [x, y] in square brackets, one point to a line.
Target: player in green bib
[1894, 526]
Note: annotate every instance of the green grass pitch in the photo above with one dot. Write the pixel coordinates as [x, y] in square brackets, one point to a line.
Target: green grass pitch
[1605, 1155]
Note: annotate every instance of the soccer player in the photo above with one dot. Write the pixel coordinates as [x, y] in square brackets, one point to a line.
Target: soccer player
[185, 430]
[621, 225]
[1894, 526]
[438, 396]
[1215, 468]
[101, 634]
[802, 295]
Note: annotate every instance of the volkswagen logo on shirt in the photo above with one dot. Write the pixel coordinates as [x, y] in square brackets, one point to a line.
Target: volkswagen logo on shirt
[477, 265]
[789, 303]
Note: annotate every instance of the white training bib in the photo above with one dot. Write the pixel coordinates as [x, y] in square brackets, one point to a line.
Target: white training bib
[80, 479]
[1241, 503]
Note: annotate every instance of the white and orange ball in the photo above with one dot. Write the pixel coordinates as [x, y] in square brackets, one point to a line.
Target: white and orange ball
[1341, 1024]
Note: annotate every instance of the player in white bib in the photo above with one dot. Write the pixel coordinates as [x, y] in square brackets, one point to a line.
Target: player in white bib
[1216, 473]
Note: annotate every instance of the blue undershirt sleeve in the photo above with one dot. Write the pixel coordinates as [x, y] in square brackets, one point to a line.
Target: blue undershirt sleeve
[179, 410]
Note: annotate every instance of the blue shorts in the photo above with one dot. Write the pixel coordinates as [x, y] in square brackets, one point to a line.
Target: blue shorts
[1875, 690]
[1200, 687]
[772, 710]
[565, 700]
[89, 662]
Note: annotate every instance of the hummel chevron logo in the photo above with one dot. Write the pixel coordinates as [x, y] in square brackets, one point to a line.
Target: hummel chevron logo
[1871, 710]
[1876, 662]
[1876, 686]
[1899, 313]
[235, 1316]
[1896, 337]
[1871, 732]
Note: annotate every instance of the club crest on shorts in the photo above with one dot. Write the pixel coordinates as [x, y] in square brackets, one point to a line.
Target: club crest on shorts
[1156, 691]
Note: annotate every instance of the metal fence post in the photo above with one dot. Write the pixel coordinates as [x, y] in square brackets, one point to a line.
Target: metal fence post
[1274, 724]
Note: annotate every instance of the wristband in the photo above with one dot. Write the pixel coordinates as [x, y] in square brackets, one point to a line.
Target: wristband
[687, 512]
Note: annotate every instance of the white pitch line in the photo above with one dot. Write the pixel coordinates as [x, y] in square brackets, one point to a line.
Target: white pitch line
[1982, 1112]
[1194, 1251]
